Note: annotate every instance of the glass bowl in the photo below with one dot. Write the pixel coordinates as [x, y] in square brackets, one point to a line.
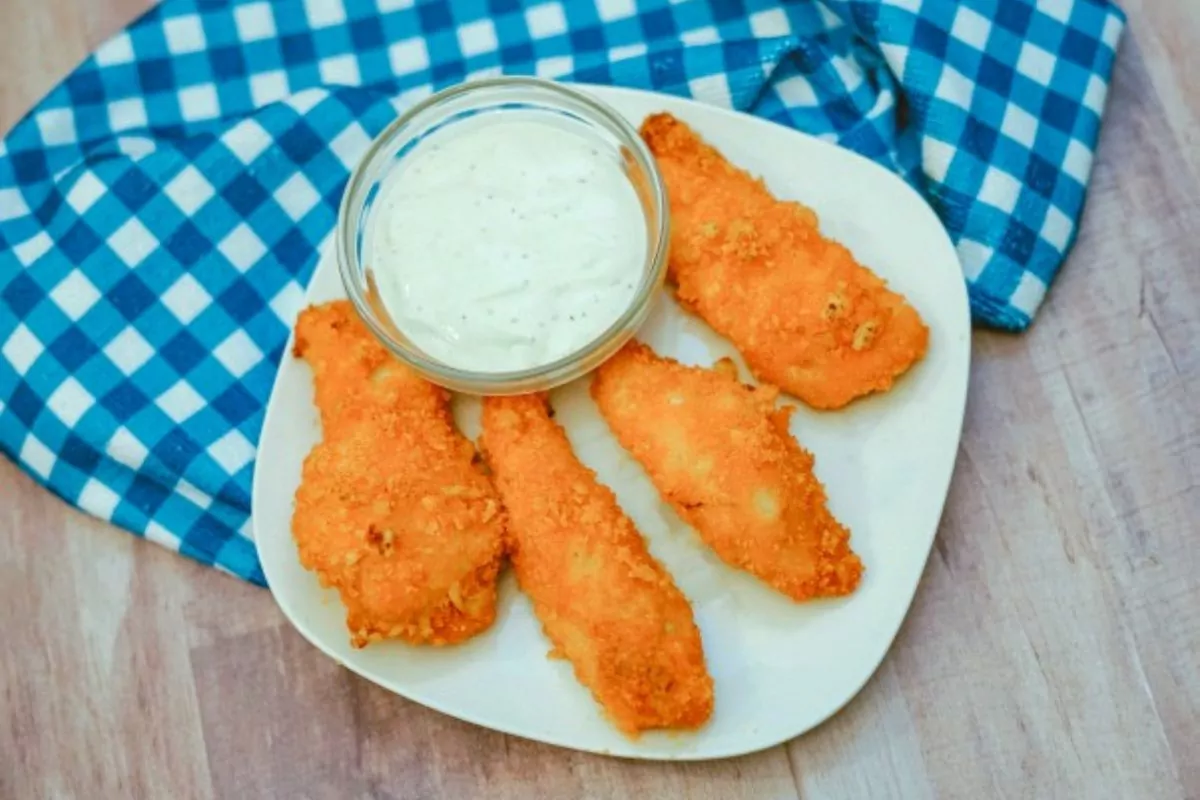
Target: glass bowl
[602, 125]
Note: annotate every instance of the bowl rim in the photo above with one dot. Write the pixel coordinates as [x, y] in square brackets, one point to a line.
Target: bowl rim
[545, 376]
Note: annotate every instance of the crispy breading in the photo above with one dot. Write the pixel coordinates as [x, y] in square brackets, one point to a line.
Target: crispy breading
[604, 602]
[721, 454]
[354, 376]
[805, 315]
[394, 509]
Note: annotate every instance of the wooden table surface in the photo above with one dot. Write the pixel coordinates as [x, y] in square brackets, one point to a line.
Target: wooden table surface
[1053, 650]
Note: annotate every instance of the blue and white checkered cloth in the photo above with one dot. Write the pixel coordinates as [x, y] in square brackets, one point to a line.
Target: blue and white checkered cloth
[160, 210]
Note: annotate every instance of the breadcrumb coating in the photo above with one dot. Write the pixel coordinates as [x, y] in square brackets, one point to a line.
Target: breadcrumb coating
[805, 315]
[720, 453]
[394, 509]
[604, 602]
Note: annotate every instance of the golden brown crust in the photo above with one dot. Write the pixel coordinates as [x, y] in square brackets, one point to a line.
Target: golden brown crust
[604, 602]
[393, 509]
[805, 315]
[721, 454]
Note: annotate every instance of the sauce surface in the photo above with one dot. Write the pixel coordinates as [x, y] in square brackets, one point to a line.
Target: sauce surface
[506, 245]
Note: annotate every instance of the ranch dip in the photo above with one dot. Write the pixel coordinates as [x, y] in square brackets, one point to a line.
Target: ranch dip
[503, 245]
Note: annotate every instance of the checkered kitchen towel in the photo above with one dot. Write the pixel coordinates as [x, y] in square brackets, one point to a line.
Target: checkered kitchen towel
[161, 209]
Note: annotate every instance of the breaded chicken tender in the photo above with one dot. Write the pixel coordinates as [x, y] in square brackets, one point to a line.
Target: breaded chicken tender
[805, 315]
[394, 509]
[604, 602]
[719, 452]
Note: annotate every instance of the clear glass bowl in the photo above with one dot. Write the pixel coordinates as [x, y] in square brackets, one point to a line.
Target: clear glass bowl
[599, 122]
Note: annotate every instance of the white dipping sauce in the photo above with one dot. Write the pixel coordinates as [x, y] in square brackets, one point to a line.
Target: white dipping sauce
[506, 244]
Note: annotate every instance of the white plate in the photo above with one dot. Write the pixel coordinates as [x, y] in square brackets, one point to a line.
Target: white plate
[780, 668]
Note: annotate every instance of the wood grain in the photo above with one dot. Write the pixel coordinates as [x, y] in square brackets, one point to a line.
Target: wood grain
[1053, 649]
